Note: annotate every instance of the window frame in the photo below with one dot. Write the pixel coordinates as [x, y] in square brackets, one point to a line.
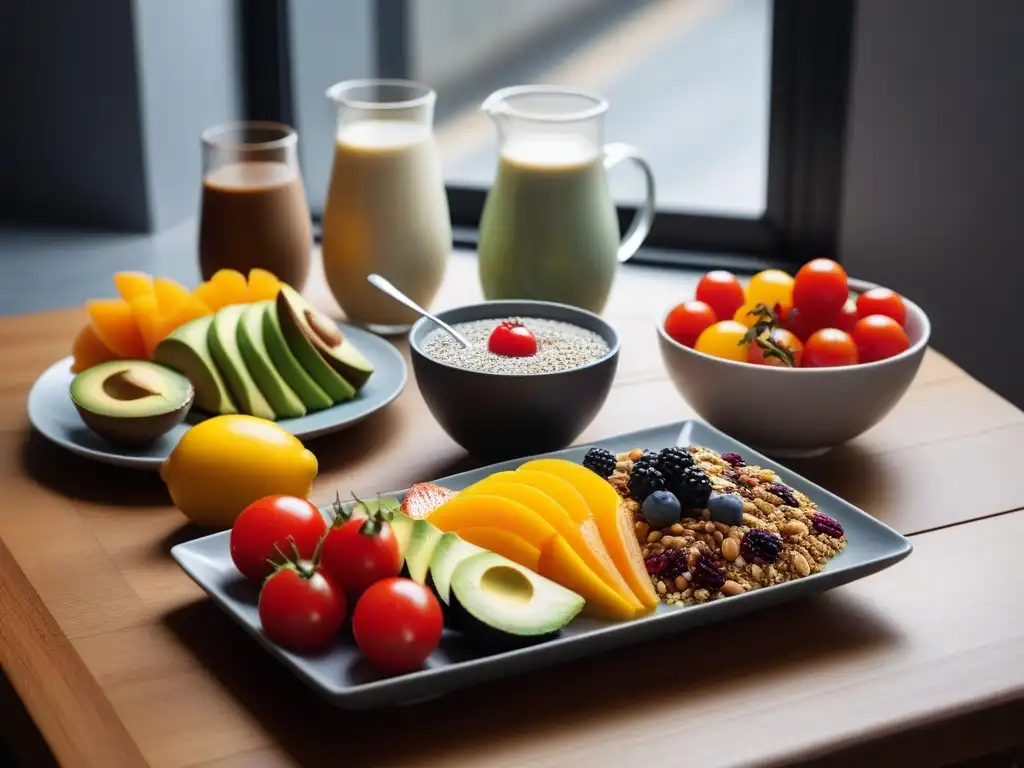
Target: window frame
[811, 53]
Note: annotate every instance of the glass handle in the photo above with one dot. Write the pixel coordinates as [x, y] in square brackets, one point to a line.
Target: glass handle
[641, 225]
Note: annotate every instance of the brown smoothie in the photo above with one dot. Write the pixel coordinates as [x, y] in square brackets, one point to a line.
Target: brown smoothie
[254, 214]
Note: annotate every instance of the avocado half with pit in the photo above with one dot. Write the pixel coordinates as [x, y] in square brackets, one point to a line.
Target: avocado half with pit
[131, 402]
[321, 347]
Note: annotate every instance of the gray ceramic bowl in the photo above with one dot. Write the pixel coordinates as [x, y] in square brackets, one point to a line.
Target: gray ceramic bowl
[794, 412]
[499, 415]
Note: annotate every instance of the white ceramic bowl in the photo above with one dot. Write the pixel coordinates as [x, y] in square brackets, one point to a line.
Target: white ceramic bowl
[797, 412]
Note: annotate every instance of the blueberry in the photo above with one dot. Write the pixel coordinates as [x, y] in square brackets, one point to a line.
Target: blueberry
[661, 509]
[726, 508]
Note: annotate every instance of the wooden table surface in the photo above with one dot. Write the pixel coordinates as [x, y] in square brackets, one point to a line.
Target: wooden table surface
[121, 660]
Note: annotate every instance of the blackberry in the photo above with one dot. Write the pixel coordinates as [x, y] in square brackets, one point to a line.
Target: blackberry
[600, 462]
[645, 480]
[668, 564]
[693, 488]
[672, 462]
[826, 525]
[707, 573]
[785, 493]
[761, 546]
[734, 458]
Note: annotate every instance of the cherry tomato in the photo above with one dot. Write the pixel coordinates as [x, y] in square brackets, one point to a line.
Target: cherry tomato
[300, 608]
[686, 321]
[724, 339]
[781, 338]
[512, 339]
[746, 315]
[397, 624]
[274, 521]
[820, 289]
[828, 348]
[847, 317]
[878, 337]
[773, 288]
[801, 325]
[358, 552]
[882, 301]
[721, 291]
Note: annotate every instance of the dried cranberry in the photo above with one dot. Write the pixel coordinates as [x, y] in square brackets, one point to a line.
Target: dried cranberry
[826, 525]
[785, 493]
[761, 546]
[707, 573]
[668, 564]
[734, 458]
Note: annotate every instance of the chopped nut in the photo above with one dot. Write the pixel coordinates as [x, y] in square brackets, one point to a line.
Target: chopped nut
[641, 529]
[657, 549]
[731, 588]
[646, 551]
[662, 588]
[678, 542]
[677, 528]
[681, 583]
[740, 562]
[636, 454]
[709, 527]
[719, 538]
[701, 595]
[730, 549]
[792, 528]
[800, 564]
[624, 465]
[755, 571]
[653, 536]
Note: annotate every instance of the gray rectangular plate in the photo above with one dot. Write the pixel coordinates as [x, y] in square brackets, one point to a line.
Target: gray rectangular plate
[344, 678]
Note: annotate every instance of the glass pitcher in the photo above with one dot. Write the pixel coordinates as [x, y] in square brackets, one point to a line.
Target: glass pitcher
[549, 228]
[386, 209]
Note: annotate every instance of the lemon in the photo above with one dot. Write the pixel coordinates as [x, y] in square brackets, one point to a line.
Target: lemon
[224, 464]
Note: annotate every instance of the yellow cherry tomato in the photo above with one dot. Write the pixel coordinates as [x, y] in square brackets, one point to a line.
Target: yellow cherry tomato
[770, 287]
[223, 464]
[724, 339]
[743, 315]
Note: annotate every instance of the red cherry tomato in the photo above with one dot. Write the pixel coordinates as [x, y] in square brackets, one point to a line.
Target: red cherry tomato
[300, 608]
[758, 355]
[397, 624]
[801, 324]
[878, 337]
[820, 289]
[269, 522]
[721, 291]
[829, 347]
[847, 317]
[882, 301]
[512, 339]
[686, 321]
[359, 552]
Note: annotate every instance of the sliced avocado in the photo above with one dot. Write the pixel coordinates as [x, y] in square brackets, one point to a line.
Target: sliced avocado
[131, 401]
[223, 341]
[496, 596]
[319, 344]
[187, 351]
[291, 370]
[421, 548]
[282, 398]
[449, 552]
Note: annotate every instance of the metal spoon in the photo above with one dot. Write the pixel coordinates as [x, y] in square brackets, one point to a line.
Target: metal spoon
[384, 285]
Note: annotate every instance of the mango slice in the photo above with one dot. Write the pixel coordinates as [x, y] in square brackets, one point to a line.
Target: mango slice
[613, 522]
[590, 548]
[171, 295]
[88, 350]
[146, 316]
[112, 320]
[506, 544]
[132, 284]
[263, 285]
[558, 560]
[568, 497]
[226, 287]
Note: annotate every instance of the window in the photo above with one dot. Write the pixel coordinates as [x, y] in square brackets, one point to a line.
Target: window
[738, 104]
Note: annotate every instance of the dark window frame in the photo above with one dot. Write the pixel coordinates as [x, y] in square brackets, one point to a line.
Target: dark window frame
[810, 72]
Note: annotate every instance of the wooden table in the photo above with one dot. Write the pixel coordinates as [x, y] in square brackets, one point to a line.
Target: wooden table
[121, 660]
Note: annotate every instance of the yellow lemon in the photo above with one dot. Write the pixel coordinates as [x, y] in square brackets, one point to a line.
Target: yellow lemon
[224, 464]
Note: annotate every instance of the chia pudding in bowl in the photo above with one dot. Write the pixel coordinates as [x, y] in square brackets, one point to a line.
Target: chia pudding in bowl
[535, 376]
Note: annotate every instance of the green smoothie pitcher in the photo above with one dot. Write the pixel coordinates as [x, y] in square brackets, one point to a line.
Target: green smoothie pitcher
[549, 229]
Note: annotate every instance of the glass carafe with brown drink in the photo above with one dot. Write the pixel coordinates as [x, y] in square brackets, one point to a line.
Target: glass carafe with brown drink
[254, 208]
[386, 210]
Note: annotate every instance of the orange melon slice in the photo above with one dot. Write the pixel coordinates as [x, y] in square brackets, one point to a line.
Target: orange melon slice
[171, 296]
[506, 544]
[132, 284]
[263, 285]
[590, 548]
[227, 286]
[558, 560]
[568, 497]
[146, 315]
[613, 522]
[88, 350]
[112, 320]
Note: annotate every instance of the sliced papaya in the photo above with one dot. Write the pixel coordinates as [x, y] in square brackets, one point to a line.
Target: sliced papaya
[132, 284]
[88, 350]
[171, 295]
[571, 500]
[589, 547]
[146, 315]
[613, 522]
[506, 544]
[112, 320]
[263, 285]
[558, 560]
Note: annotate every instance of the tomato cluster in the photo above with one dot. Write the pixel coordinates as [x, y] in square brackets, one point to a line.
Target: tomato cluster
[310, 572]
[804, 321]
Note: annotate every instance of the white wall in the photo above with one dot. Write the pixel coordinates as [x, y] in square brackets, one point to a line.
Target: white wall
[934, 189]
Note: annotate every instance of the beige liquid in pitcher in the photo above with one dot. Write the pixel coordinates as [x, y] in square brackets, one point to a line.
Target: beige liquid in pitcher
[386, 212]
